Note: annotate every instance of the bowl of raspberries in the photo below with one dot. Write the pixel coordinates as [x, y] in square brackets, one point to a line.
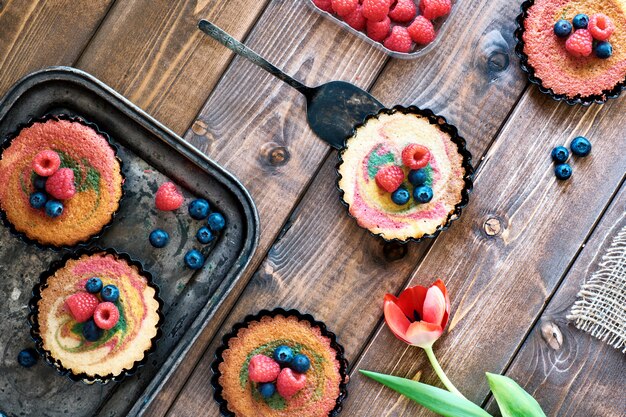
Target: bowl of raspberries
[401, 28]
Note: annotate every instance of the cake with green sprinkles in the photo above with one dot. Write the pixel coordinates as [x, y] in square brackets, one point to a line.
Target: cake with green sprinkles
[62, 182]
[97, 316]
[278, 366]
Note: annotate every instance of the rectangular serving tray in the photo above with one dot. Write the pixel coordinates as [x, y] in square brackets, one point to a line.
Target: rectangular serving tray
[151, 155]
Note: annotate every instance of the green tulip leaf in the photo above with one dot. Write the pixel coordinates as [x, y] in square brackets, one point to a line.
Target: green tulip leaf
[512, 399]
[435, 399]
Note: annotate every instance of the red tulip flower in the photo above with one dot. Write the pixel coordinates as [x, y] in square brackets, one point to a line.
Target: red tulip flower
[419, 315]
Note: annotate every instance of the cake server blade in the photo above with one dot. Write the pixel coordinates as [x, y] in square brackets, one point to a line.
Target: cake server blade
[333, 108]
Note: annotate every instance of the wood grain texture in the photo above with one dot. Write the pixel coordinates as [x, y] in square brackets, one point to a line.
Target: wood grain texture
[152, 53]
[320, 251]
[499, 282]
[568, 371]
[37, 34]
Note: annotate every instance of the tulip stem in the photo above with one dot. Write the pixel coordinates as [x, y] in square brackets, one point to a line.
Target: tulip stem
[440, 373]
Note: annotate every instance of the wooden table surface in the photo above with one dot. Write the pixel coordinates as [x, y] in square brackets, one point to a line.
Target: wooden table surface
[513, 263]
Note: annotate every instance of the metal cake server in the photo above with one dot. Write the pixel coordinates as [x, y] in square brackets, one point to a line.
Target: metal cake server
[333, 109]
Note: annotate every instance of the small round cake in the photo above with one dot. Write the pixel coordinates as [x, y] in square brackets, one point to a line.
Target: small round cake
[62, 182]
[576, 59]
[405, 174]
[96, 316]
[280, 364]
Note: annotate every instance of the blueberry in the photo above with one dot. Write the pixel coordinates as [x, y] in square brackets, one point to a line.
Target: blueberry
[580, 21]
[563, 171]
[300, 363]
[603, 50]
[562, 28]
[267, 390]
[39, 182]
[54, 208]
[580, 146]
[110, 293]
[199, 209]
[216, 222]
[159, 238]
[194, 259]
[27, 357]
[418, 177]
[283, 355]
[204, 235]
[93, 285]
[560, 154]
[38, 200]
[401, 196]
[2, 414]
[423, 194]
[91, 332]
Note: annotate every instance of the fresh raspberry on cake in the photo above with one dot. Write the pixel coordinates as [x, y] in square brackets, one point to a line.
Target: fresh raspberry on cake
[390, 178]
[580, 43]
[106, 315]
[399, 40]
[46, 163]
[403, 11]
[356, 19]
[432, 9]
[168, 197]
[325, 5]
[378, 31]
[344, 7]
[82, 305]
[422, 31]
[415, 156]
[290, 383]
[601, 27]
[61, 184]
[376, 10]
[263, 369]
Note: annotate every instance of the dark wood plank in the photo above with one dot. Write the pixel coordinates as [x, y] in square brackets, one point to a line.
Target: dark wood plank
[501, 276]
[153, 53]
[568, 371]
[321, 251]
[36, 34]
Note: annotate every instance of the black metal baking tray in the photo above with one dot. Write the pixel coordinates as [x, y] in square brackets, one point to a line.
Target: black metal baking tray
[152, 154]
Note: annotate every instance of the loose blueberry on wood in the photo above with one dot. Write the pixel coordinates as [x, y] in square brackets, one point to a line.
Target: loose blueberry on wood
[563, 171]
[110, 293]
[159, 238]
[199, 209]
[580, 146]
[93, 285]
[560, 154]
[194, 259]
[27, 358]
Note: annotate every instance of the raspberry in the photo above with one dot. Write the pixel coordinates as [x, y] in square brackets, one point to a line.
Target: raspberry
[325, 5]
[344, 7]
[46, 163]
[422, 31]
[356, 19]
[415, 156]
[61, 184]
[432, 9]
[403, 11]
[106, 315]
[289, 383]
[399, 40]
[82, 306]
[378, 31]
[389, 178]
[376, 10]
[263, 369]
[580, 43]
[168, 197]
[601, 27]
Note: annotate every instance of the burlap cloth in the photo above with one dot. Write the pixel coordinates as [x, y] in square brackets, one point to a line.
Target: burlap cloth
[600, 307]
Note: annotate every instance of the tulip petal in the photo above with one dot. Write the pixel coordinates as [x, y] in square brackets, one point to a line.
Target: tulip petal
[423, 334]
[412, 300]
[434, 306]
[396, 320]
[444, 321]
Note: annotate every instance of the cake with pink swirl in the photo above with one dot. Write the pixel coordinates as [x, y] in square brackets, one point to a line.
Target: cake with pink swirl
[97, 315]
[405, 174]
